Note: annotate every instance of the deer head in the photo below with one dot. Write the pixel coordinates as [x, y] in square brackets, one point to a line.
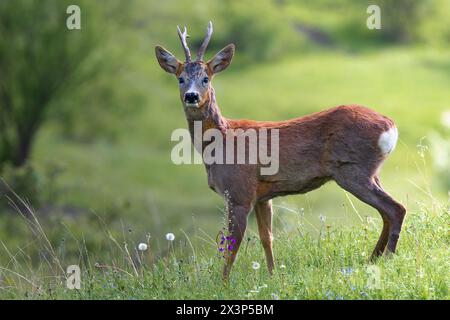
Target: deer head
[194, 77]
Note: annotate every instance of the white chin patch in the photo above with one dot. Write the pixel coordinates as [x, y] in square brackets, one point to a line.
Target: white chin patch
[388, 140]
[191, 105]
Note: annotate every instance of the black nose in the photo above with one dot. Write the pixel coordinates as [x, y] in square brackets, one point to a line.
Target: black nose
[191, 97]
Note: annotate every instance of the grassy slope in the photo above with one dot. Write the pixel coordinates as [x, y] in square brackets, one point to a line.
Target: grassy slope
[133, 186]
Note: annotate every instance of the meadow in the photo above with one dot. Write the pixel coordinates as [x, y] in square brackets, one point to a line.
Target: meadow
[98, 199]
[328, 263]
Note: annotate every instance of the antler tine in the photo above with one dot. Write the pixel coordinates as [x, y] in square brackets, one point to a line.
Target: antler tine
[183, 36]
[202, 49]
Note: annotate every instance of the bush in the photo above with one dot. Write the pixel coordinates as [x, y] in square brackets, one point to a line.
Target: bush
[401, 19]
[24, 181]
[261, 31]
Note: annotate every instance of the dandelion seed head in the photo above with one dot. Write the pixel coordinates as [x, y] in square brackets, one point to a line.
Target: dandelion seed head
[142, 246]
[170, 236]
[275, 296]
[255, 265]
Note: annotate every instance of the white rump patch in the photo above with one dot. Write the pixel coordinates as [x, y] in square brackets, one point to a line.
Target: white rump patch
[388, 140]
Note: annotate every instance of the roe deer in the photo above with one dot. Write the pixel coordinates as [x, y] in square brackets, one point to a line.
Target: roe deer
[346, 144]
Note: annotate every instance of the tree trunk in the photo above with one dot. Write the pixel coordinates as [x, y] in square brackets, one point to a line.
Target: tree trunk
[23, 149]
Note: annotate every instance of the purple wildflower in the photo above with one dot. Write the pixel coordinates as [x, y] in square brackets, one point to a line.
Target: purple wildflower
[347, 271]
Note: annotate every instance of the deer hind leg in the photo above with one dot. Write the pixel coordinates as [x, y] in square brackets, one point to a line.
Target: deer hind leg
[397, 215]
[384, 236]
[264, 215]
[382, 241]
[237, 223]
[369, 190]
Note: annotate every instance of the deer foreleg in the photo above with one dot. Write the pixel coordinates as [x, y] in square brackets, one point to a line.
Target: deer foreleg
[237, 223]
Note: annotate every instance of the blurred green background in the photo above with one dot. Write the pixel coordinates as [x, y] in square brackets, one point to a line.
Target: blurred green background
[86, 115]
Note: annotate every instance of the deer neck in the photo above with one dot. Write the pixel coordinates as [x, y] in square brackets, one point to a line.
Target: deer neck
[209, 116]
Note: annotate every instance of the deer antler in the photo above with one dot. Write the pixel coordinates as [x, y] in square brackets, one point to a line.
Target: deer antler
[202, 49]
[183, 36]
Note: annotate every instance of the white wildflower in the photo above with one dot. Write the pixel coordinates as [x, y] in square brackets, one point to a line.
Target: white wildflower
[322, 218]
[263, 286]
[170, 236]
[142, 246]
[420, 273]
[255, 265]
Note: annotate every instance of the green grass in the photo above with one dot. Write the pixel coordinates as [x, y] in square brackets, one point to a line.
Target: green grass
[331, 263]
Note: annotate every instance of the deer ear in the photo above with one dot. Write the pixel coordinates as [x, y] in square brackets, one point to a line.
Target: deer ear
[222, 59]
[167, 60]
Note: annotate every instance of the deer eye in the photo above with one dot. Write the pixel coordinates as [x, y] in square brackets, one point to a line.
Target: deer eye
[205, 80]
[180, 80]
